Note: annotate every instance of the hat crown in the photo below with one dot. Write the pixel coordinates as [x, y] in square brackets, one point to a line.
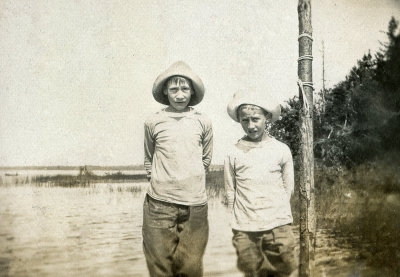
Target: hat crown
[265, 101]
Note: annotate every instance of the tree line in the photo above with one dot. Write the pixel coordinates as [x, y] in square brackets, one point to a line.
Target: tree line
[358, 120]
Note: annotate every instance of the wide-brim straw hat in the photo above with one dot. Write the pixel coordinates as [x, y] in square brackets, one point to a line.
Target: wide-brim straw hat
[263, 100]
[178, 69]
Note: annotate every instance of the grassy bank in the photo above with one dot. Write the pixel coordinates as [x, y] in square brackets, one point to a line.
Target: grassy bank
[363, 205]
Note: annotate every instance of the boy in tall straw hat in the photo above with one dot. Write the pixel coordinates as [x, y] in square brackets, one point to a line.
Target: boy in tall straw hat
[177, 152]
[259, 183]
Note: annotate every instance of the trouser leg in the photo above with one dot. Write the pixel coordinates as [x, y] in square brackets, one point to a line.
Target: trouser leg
[249, 256]
[278, 246]
[160, 238]
[193, 237]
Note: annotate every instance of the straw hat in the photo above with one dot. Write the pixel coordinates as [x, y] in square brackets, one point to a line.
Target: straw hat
[178, 69]
[265, 101]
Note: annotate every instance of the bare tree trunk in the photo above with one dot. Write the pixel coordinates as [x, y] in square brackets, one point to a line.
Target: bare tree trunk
[307, 206]
[323, 79]
[323, 66]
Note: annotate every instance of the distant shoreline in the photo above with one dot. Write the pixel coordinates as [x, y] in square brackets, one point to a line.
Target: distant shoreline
[65, 167]
[89, 167]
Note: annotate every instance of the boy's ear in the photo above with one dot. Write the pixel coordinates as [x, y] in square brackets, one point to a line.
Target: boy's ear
[165, 92]
[191, 91]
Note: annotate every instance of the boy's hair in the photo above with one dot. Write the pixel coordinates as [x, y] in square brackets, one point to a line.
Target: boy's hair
[177, 80]
[253, 108]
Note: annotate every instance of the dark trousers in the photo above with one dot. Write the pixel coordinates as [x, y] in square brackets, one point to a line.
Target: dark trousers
[266, 253]
[174, 238]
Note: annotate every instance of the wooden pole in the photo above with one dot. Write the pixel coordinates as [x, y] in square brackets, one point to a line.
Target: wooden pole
[307, 206]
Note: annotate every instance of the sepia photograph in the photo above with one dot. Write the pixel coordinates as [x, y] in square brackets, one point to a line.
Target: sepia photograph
[188, 138]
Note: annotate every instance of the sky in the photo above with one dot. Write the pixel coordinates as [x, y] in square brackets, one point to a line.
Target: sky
[76, 76]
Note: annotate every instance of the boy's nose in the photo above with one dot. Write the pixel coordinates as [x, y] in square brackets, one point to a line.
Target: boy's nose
[251, 125]
[180, 94]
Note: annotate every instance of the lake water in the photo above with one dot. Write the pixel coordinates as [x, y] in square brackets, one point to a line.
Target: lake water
[96, 231]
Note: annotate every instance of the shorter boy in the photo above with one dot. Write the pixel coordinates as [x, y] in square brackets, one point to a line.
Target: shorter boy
[259, 183]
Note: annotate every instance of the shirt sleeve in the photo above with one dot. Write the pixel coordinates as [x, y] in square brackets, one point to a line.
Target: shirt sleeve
[207, 141]
[148, 148]
[229, 178]
[288, 172]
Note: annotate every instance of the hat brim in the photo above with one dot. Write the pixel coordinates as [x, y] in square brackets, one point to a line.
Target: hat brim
[178, 70]
[236, 102]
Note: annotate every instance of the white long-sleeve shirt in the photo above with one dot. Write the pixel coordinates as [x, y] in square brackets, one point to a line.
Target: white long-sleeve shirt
[177, 151]
[259, 182]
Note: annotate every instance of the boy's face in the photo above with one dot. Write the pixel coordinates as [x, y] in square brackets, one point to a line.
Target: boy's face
[179, 93]
[253, 121]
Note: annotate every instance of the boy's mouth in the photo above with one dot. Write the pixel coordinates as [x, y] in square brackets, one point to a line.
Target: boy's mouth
[253, 134]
